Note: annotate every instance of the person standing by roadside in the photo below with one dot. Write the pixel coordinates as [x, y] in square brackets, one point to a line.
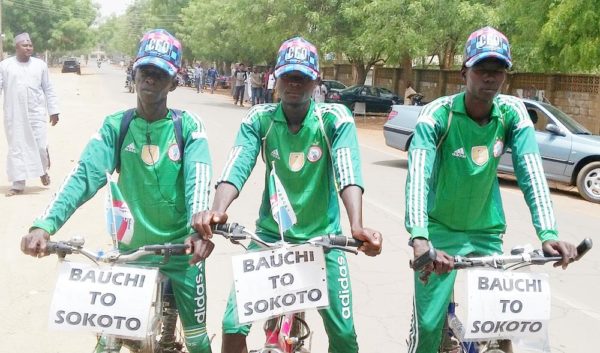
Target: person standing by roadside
[271, 80]
[28, 98]
[256, 85]
[239, 76]
[211, 76]
[320, 91]
[199, 77]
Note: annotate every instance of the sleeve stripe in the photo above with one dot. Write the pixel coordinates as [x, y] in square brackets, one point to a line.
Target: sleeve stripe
[233, 155]
[344, 166]
[201, 187]
[548, 211]
[416, 197]
[540, 191]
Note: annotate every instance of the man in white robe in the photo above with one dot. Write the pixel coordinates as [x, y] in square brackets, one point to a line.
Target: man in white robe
[28, 99]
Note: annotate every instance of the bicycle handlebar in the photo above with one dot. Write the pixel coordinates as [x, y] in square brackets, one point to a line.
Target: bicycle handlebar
[534, 257]
[75, 246]
[235, 232]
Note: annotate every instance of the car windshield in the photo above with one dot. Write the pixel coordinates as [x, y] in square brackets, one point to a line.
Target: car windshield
[70, 62]
[383, 92]
[336, 85]
[566, 120]
[351, 89]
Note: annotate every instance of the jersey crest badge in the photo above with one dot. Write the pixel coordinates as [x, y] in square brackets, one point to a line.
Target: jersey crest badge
[296, 161]
[498, 148]
[275, 154]
[150, 154]
[480, 155]
[173, 153]
[314, 153]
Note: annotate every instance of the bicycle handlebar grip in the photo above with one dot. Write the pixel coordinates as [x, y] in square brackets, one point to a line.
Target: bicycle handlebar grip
[177, 249]
[583, 248]
[340, 240]
[424, 260]
[227, 227]
[58, 247]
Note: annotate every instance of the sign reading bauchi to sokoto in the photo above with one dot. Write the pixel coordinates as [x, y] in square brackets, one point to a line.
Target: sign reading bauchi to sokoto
[272, 282]
[505, 304]
[115, 300]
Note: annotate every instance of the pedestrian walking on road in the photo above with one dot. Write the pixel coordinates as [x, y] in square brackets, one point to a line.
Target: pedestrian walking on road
[28, 99]
[240, 77]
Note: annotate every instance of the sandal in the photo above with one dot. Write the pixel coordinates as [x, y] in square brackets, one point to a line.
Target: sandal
[13, 192]
[45, 179]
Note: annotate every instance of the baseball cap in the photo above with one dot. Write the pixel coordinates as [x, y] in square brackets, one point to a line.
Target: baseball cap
[297, 54]
[484, 43]
[161, 49]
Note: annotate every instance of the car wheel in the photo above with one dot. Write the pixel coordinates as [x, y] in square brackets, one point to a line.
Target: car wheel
[588, 182]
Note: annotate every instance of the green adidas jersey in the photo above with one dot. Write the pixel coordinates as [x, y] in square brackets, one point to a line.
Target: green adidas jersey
[309, 171]
[163, 190]
[452, 183]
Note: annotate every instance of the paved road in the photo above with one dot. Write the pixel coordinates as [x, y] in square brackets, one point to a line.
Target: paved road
[382, 286]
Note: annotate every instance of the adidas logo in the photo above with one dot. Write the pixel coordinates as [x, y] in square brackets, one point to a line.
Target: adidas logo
[275, 154]
[460, 153]
[131, 148]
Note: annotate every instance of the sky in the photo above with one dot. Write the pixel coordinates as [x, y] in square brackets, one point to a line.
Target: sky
[117, 7]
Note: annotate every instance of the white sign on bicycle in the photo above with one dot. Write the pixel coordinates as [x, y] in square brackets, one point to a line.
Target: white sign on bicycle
[273, 282]
[114, 300]
[507, 304]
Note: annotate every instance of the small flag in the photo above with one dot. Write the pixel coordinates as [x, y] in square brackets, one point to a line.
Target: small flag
[281, 208]
[119, 221]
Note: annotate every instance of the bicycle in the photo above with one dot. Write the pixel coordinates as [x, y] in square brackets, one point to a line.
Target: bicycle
[163, 333]
[286, 330]
[492, 335]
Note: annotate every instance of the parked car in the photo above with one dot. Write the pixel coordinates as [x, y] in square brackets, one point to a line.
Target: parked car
[377, 99]
[334, 86]
[570, 153]
[71, 65]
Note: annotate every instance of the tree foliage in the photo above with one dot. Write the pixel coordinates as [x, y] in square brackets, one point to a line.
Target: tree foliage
[57, 25]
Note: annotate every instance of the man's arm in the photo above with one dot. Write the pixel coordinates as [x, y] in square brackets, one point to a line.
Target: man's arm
[372, 239]
[51, 98]
[527, 163]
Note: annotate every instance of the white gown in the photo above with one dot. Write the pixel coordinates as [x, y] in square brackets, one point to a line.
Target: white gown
[29, 99]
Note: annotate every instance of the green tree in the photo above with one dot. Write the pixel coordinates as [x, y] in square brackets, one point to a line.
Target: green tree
[55, 25]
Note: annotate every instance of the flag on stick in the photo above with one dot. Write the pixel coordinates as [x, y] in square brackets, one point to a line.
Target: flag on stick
[119, 221]
[281, 208]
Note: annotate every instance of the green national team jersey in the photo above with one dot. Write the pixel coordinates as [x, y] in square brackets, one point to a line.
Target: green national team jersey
[307, 168]
[163, 190]
[452, 183]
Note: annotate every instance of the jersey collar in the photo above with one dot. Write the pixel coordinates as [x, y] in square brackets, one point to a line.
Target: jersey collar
[280, 117]
[458, 106]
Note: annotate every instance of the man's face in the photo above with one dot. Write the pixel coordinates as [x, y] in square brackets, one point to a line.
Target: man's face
[485, 78]
[24, 49]
[153, 84]
[295, 88]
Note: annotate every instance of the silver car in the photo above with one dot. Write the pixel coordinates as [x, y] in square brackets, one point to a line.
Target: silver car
[570, 153]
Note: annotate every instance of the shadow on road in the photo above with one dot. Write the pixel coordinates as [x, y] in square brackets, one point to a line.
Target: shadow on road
[29, 190]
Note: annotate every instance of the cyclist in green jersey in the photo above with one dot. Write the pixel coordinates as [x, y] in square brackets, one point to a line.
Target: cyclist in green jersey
[452, 192]
[313, 148]
[163, 187]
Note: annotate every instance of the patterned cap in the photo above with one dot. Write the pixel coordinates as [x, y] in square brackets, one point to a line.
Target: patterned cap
[486, 43]
[297, 54]
[159, 48]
